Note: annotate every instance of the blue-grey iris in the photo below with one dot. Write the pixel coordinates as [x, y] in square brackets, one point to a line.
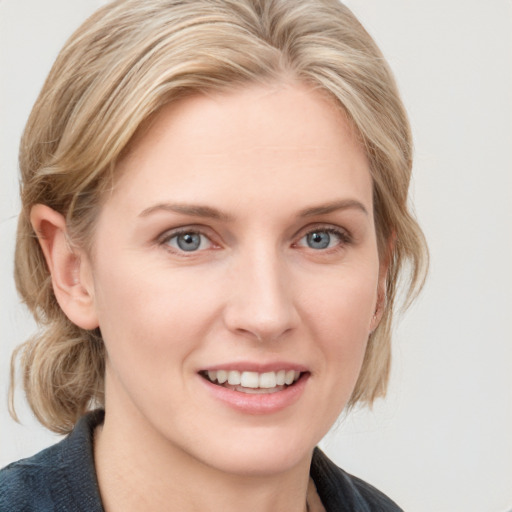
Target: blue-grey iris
[318, 239]
[189, 241]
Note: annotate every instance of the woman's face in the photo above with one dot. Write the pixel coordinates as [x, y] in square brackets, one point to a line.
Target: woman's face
[238, 243]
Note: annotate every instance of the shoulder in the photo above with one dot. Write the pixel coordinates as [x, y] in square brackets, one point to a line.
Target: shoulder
[339, 490]
[28, 482]
[59, 478]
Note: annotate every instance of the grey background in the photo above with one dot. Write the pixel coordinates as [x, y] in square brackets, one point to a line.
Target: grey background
[442, 440]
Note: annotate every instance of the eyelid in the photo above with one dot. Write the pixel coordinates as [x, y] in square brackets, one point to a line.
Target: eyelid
[167, 235]
[331, 228]
[345, 237]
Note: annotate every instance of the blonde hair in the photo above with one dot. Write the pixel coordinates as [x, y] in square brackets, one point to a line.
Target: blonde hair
[121, 66]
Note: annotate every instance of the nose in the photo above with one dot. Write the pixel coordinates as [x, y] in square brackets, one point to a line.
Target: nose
[260, 301]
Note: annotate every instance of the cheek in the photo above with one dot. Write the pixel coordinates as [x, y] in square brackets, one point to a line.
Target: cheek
[341, 317]
[150, 326]
[345, 304]
[146, 315]
[151, 315]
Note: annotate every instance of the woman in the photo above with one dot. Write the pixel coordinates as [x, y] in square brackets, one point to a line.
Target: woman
[214, 222]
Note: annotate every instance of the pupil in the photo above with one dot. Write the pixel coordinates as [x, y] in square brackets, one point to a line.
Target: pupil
[319, 240]
[189, 241]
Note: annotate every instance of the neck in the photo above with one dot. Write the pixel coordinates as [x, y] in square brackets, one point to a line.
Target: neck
[141, 471]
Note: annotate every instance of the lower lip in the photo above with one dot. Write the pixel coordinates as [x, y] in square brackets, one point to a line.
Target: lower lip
[265, 403]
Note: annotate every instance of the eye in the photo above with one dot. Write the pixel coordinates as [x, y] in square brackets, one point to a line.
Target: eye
[323, 238]
[188, 241]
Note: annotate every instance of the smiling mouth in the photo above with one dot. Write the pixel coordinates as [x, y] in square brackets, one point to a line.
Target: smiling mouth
[253, 382]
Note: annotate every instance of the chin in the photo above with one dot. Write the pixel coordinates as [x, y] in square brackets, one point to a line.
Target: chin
[258, 454]
[262, 464]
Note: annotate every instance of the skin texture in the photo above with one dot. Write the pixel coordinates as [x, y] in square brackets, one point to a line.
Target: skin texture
[269, 163]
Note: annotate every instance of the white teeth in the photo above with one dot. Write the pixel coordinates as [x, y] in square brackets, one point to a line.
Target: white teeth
[249, 379]
[254, 380]
[268, 380]
[234, 378]
[290, 375]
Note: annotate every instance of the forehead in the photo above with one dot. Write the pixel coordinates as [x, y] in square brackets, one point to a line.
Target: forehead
[255, 141]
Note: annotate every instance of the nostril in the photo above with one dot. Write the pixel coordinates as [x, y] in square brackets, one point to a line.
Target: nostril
[261, 306]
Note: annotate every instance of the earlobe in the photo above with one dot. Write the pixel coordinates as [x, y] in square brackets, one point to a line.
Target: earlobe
[66, 265]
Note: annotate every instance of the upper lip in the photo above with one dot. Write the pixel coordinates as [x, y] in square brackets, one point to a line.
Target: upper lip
[248, 366]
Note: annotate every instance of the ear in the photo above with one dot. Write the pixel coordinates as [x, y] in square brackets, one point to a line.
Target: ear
[69, 267]
[381, 302]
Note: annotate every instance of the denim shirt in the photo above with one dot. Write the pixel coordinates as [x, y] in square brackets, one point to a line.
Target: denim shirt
[62, 478]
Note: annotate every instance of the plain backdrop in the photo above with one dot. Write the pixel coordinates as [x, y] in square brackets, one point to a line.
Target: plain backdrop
[442, 441]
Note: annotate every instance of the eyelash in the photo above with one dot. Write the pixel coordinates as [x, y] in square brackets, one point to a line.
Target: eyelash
[169, 235]
[343, 236]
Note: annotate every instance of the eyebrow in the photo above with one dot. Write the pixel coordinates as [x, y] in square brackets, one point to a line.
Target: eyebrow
[196, 210]
[344, 204]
